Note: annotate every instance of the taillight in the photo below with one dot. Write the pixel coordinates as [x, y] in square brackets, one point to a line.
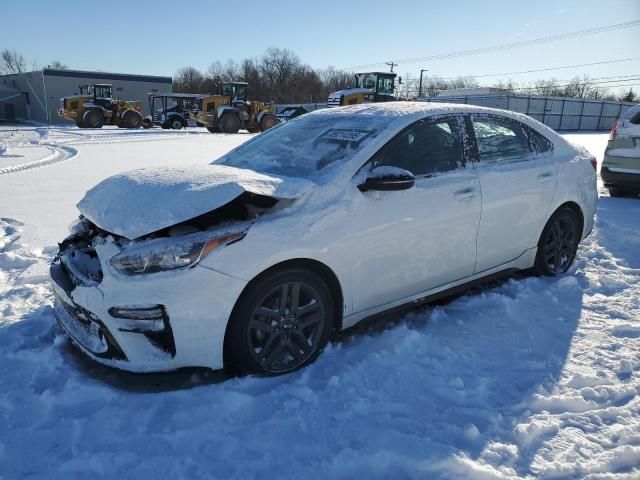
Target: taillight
[594, 164]
[614, 128]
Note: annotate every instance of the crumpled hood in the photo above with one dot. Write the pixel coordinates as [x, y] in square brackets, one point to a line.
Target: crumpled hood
[139, 202]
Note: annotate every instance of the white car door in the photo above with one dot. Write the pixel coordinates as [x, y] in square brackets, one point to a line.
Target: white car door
[518, 182]
[409, 241]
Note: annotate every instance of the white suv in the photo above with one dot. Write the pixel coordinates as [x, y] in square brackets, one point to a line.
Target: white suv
[620, 170]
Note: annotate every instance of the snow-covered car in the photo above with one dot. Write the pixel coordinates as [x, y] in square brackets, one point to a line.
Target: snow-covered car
[620, 170]
[255, 261]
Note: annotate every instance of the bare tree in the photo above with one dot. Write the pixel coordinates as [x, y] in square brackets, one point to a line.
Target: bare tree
[505, 85]
[12, 62]
[334, 80]
[463, 82]
[187, 80]
[433, 85]
[58, 65]
[278, 66]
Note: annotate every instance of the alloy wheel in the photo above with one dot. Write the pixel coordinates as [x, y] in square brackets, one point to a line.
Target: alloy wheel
[559, 245]
[285, 329]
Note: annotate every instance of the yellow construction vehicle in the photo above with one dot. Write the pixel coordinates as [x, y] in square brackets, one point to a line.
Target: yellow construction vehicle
[370, 87]
[97, 107]
[232, 111]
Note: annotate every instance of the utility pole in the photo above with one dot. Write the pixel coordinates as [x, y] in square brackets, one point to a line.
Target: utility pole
[391, 64]
[420, 87]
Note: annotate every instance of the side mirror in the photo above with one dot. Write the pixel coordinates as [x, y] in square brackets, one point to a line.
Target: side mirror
[385, 178]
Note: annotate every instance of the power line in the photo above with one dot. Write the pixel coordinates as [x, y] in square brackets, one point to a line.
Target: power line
[543, 69]
[506, 46]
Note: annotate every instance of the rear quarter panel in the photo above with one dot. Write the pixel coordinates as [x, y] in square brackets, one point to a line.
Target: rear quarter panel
[577, 181]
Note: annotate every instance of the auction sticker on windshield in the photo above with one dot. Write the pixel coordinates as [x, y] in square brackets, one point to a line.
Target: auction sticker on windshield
[346, 134]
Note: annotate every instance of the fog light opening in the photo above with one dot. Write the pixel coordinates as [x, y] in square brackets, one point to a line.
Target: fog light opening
[156, 312]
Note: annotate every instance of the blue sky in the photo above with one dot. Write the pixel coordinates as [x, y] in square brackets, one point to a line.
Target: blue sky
[159, 37]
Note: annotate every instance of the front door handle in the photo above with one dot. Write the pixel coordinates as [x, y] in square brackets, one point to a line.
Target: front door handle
[465, 194]
[545, 177]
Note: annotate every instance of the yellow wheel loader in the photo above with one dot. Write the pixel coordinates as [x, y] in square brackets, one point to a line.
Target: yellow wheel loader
[371, 87]
[231, 111]
[97, 107]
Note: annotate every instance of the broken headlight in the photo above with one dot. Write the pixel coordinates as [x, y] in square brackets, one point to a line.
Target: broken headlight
[163, 254]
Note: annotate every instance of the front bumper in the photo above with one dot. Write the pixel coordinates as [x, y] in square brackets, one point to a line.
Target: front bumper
[196, 305]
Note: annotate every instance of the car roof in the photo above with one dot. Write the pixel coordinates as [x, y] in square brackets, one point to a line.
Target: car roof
[402, 113]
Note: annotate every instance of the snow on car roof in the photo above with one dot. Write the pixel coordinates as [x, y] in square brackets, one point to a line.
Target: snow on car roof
[408, 112]
[305, 146]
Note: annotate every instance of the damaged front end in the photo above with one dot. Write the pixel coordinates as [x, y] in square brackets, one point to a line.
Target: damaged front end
[77, 266]
[90, 260]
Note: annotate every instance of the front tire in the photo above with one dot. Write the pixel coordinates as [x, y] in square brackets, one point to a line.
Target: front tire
[267, 121]
[93, 119]
[229, 123]
[558, 243]
[281, 323]
[132, 119]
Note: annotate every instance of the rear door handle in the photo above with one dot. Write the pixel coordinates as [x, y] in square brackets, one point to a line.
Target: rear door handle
[545, 177]
[465, 194]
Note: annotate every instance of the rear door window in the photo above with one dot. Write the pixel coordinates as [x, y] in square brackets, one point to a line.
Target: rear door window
[501, 139]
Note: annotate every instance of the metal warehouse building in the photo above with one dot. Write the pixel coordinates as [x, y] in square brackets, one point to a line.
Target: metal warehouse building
[36, 95]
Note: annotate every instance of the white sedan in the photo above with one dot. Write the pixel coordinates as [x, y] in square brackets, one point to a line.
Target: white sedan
[254, 262]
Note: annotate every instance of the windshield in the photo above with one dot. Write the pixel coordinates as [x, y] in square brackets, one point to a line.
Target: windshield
[366, 80]
[385, 84]
[234, 90]
[102, 91]
[308, 146]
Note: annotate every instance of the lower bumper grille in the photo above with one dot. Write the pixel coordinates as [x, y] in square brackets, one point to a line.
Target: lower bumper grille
[87, 330]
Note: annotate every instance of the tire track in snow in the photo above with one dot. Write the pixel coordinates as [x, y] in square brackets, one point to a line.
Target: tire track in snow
[57, 153]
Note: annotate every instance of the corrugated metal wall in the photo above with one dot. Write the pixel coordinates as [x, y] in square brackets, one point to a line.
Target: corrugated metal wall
[558, 113]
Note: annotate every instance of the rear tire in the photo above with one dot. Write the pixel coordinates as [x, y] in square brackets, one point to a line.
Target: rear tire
[132, 119]
[558, 243]
[267, 121]
[280, 323]
[229, 123]
[93, 119]
[213, 129]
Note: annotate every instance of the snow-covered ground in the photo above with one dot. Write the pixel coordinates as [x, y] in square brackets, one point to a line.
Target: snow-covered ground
[532, 377]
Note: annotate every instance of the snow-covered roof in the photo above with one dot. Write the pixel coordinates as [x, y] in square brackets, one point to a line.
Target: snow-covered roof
[351, 90]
